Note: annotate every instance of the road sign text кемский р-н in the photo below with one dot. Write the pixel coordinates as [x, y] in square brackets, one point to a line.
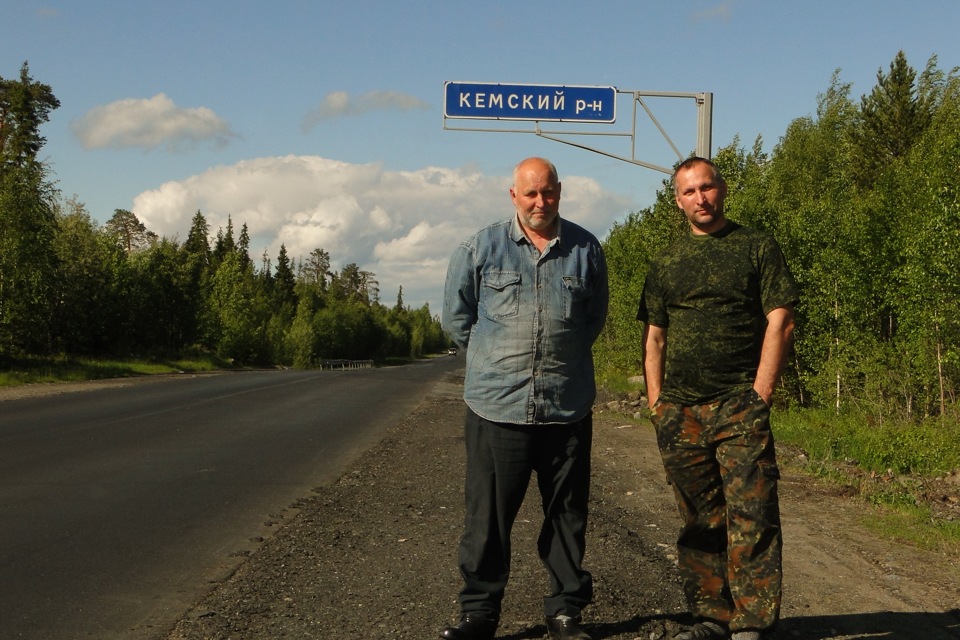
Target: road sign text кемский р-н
[553, 103]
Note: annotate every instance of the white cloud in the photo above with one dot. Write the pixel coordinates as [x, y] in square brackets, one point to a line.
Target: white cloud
[401, 226]
[149, 123]
[339, 104]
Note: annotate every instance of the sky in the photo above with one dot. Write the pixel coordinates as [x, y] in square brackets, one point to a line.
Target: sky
[320, 124]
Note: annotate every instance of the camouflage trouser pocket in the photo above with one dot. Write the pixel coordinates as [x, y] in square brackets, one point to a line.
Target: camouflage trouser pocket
[751, 398]
[667, 419]
[653, 411]
[748, 411]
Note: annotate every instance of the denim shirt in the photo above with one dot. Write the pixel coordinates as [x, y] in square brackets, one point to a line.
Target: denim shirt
[527, 321]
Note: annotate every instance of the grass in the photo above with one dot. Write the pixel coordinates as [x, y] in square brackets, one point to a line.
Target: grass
[927, 448]
[31, 370]
[616, 383]
[914, 526]
[63, 369]
[897, 514]
[888, 465]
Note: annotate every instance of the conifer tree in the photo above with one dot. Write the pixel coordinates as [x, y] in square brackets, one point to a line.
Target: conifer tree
[27, 219]
[284, 279]
[892, 117]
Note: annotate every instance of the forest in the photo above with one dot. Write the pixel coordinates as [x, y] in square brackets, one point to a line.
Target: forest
[70, 287]
[864, 199]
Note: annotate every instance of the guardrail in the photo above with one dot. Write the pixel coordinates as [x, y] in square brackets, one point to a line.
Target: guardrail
[344, 365]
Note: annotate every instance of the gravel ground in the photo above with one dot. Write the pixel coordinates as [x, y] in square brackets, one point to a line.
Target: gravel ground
[374, 555]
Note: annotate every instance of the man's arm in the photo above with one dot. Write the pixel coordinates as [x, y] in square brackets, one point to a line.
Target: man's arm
[460, 297]
[654, 357]
[773, 354]
[600, 302]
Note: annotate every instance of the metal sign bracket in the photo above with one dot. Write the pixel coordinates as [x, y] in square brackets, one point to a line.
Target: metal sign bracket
[704, 102]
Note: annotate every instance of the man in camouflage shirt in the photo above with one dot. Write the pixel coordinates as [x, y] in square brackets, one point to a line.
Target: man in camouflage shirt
[724, 296]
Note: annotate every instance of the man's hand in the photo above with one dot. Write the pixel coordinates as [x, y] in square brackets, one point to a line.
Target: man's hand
[654, 359]
[773, 355]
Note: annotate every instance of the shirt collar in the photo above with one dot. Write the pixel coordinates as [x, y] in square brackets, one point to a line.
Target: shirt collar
[518, 236]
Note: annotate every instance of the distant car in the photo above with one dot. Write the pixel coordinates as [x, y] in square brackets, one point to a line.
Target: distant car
[452, 351]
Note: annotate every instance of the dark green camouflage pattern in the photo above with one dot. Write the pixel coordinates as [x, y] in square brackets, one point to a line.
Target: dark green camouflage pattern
[720, 460]
[712, 294]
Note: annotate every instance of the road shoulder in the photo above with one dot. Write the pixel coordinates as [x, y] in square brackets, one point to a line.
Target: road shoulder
[374, 554]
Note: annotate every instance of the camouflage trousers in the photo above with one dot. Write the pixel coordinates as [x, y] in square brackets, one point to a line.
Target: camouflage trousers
[720, 460]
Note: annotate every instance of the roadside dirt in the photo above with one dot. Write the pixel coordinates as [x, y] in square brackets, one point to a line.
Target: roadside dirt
[43, 389]
[373, 556]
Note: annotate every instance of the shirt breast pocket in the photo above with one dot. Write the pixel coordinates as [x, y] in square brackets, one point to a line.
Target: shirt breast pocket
[500, 294]
[575, 293]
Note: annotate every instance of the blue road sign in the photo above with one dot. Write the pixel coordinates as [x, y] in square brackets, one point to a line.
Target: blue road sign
[552, 103]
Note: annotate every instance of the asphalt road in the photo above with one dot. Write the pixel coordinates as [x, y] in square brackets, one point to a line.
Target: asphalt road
[121, 505]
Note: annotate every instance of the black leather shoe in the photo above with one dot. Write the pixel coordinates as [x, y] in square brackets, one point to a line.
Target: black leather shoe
[472, 626]
[565, 628]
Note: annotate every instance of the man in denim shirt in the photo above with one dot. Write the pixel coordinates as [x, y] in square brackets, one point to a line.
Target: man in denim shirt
[526, 298]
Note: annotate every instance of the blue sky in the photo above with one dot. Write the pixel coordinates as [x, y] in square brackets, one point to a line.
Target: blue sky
[319, 124]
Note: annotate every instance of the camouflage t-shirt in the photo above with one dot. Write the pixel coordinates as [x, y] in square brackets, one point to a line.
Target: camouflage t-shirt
[712, 293]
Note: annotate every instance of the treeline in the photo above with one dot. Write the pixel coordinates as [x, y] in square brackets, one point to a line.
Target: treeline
[69, 286]
[864, 198]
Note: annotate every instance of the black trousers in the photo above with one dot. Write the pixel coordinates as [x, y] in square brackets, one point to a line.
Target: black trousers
[500, 460]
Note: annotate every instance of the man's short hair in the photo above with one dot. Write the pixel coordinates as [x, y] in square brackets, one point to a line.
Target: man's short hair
[692, 162]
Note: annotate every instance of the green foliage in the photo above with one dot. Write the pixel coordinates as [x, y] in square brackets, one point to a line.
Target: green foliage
[914, 524]
[128, 232]
[301, 340]
[119, 298]
[70, 287]
[863, 200]
[232, 307]
[926, 448]
[27, 260]
[891, 119]
[888, 464]
[629, 247]
[24, 105]
[91, 269]
[284, 286]
[926, 281]
[66, 369]
[27, 224]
